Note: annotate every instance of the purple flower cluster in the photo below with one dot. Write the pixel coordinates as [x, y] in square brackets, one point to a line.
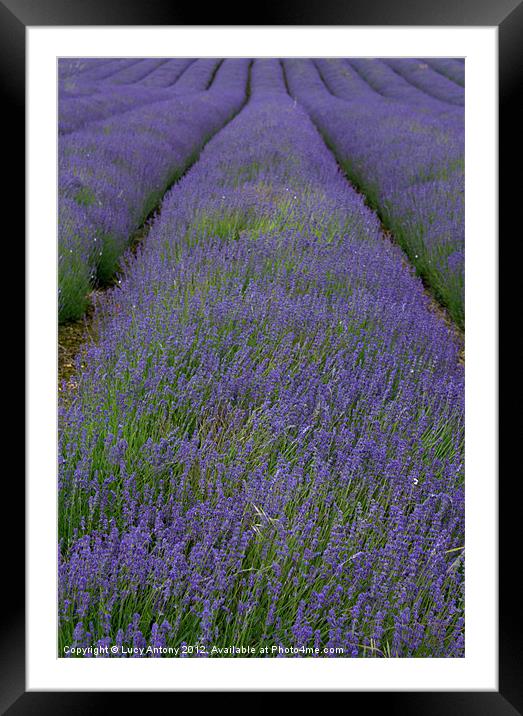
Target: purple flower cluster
[407, 157]
[167, 74]
[454, 69]
[422, 76]
[71, 67]
[266, 445]
[82, 76]
[138, 84]
[77, 111]
[199, 75]
[113, 172]
[136, 72]
[384, 82]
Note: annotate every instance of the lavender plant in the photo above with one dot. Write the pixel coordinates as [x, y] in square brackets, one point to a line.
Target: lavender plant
[117, 169]
[91, 100]
[70, 67]
[136, 72]
[452, 68]
[102, 70]
[266, 445]
[75, 112]
[365, 78]
[409, 164]
[167, 74]
[198, 76]
[421, 75]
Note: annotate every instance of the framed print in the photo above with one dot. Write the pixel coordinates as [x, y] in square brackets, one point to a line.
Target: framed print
[265, 450]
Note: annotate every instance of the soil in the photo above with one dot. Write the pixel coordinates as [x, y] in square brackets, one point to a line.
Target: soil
[73, 337]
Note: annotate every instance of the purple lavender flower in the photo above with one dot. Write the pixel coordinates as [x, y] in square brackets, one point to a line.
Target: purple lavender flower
[266, 444]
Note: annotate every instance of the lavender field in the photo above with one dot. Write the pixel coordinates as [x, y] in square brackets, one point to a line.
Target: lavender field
[262, 451]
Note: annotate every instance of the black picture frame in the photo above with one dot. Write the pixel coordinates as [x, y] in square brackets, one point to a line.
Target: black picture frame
[507, 15]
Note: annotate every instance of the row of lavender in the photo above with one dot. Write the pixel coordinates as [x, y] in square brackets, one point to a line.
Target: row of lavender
[452, 68]
[114, 85]
[266, 442]
[404, 147]
[418, 193]
[107, 89]
[113, 172]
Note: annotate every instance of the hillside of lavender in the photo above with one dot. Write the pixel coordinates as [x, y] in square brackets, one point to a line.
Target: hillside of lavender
[263, 451]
